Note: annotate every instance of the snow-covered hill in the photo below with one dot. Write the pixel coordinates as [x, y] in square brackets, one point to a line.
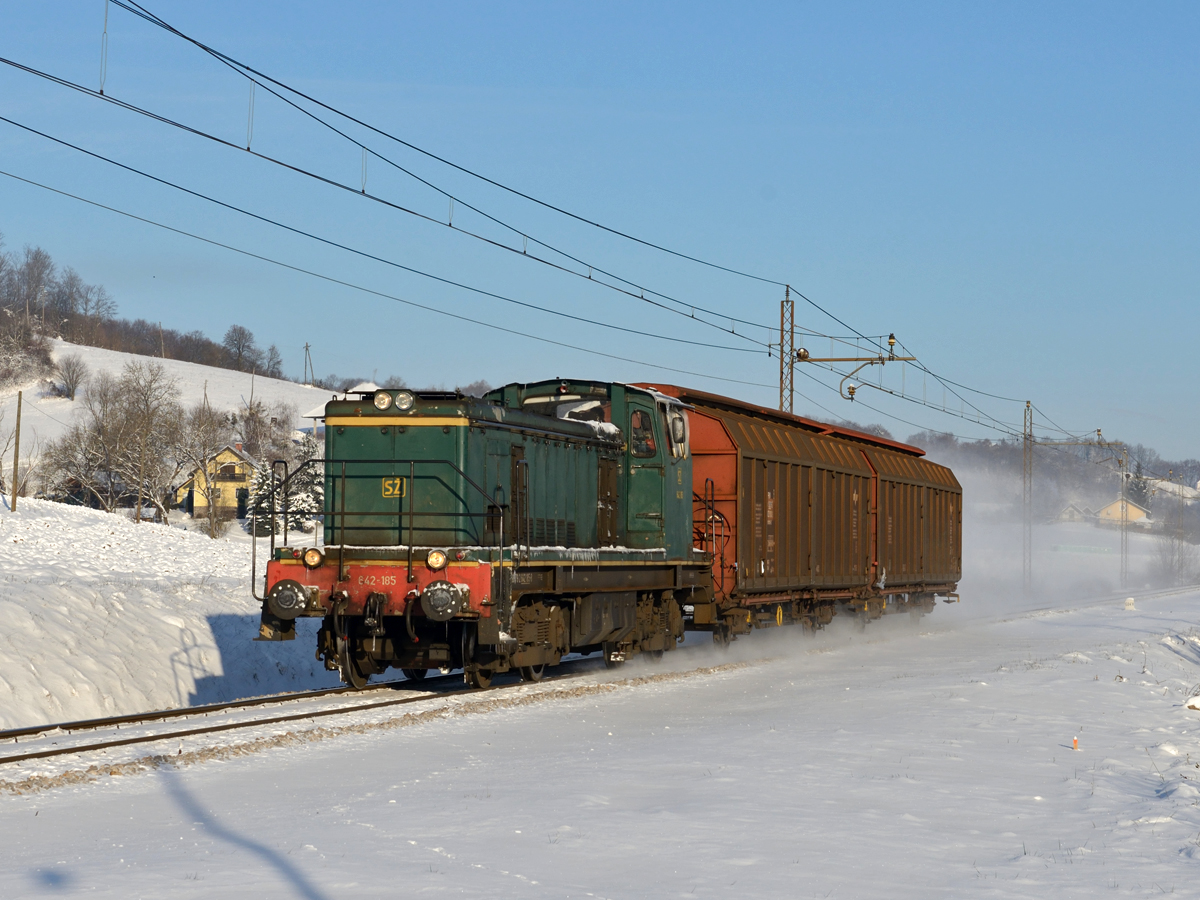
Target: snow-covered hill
[99, 615]
[45, 418]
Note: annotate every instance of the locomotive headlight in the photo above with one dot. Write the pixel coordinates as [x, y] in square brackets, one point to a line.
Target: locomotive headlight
[405, 400]
[313, 558]
[382, 400]
[436, 560]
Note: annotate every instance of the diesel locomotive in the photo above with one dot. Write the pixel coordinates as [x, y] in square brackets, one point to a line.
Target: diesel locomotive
[502, 533]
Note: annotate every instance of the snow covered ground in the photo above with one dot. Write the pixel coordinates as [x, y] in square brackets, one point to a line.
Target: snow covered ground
[45, 418]
[99, 615]
[913, 759]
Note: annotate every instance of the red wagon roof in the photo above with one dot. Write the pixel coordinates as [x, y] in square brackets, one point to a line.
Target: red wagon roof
[690, 395]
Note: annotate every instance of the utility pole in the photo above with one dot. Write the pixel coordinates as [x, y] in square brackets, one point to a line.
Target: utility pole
[1027, 502]
[787, 341]
[16, 455]
[1123, 463]
[309, 375]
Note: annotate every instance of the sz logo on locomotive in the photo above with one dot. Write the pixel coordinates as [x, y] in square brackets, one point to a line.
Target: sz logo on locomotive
[393, 487]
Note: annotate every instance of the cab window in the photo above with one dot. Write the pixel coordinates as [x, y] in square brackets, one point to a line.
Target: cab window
[641, 435]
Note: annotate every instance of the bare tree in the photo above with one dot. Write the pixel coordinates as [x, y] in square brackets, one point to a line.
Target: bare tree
[94, 307]
[266, 432]
[475, 388]
[272, 365]
[239, 344]
[151, 404]
[1177, 556]
[204, 434]
[35, 277]
[73, 372]
[87, 459]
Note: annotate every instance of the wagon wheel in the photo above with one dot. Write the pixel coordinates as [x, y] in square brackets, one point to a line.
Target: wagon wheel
[415, 674]
[348, 667]
[479, 678]
[533, 673]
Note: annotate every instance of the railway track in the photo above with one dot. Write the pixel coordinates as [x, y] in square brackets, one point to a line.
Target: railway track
[43, 732]
[441, 686]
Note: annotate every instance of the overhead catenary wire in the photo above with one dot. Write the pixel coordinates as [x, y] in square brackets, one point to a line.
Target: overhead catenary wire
[875, 341]
[252, 74]
[381, 294]
[371, 256]
[864, 405]
[361, 191]
[247, 71]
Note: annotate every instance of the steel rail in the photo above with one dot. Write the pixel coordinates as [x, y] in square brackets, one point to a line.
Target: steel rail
[274, 720]
[161, 714]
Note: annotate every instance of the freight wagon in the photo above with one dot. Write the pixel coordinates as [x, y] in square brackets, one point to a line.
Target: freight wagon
[798, 517]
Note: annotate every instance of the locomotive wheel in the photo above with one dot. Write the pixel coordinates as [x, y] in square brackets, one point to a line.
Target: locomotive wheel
[415, 674]
[479, 678]
[533, 673]
[721, 637]
[655, 655]
[348, 666]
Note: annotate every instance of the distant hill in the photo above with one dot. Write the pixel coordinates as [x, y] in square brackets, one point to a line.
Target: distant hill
[46, 417]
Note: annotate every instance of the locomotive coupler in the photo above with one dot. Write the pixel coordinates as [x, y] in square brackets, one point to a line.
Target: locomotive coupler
[373, 614]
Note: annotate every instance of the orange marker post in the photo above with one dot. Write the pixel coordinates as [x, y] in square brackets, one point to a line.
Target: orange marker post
[1075, 741]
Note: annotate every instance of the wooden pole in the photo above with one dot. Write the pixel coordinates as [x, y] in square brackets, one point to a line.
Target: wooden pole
[16, 455]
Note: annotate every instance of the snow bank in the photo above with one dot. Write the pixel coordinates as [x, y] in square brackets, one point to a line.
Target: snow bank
[99, 615]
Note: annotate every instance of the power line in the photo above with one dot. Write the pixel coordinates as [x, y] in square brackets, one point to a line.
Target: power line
[332, 280]
[299, 170]
[881, 412]
[252, 74]
[363, 253]
[872, 340]
[140, 11]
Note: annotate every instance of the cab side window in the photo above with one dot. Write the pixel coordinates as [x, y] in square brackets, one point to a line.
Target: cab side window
[641, 435]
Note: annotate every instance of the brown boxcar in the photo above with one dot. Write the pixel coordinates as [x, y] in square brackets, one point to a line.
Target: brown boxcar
[800, 515]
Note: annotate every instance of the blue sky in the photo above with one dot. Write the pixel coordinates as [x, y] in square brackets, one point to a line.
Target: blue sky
[1011, 189]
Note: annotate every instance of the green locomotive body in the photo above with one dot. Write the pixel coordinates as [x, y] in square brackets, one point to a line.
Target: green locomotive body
[496, 533]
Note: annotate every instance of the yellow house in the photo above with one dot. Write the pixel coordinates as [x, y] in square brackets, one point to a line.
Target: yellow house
[1111, 514]
[230, 473]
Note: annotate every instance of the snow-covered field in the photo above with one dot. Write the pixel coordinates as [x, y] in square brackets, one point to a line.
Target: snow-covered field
[99, 615]
[915, 759]
[910, 759]
[45, 418]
